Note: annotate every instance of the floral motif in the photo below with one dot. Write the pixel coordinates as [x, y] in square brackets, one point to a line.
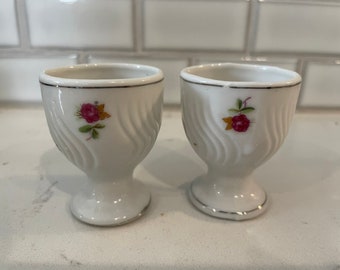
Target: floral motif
[89, 112]
[92, 113]
[239, 122]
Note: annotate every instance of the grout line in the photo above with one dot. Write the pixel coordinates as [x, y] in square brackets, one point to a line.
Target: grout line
[304, 2]
[317, 110]
[302, 70]
[22, 23]
[26, 50]
[191, 61]
[83, 58]
[252, 24]
[138, 25]
[300, 66]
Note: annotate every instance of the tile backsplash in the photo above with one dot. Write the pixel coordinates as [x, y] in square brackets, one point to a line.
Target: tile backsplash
[301, 35]
[8, 27]
[195, 25]
[80, 24]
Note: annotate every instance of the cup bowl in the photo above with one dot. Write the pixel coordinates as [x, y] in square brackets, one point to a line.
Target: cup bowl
[105, 119]
[235, 116]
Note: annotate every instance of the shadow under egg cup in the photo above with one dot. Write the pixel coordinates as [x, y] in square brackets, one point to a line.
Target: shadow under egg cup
[105, 119]
[235, 116]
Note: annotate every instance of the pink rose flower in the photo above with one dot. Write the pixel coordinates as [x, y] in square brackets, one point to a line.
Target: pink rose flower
[89, 112]
[240, 123]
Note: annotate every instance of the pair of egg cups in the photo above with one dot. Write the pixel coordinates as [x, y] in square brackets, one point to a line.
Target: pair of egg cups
[105, 119]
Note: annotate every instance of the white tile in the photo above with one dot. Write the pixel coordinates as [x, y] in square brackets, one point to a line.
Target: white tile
[282, 63]
[298, 27]
[174, 24]
[321, 87]
[8, 26]
[170, 67]
[80, 23]
[20, 76]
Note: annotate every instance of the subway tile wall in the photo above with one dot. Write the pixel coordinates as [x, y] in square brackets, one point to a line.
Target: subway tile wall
[198, 25]
[301, 35]
[80, 24]
[8, 26]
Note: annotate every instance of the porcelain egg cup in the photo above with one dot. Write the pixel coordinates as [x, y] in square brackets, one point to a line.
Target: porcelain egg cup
[105, 119]
[236, 116]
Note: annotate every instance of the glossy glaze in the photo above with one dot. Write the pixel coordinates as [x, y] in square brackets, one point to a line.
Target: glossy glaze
[235, 117]
[105, 119]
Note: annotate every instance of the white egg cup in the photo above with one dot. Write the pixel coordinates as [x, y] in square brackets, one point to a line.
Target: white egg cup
[235, 116]
[105, 119]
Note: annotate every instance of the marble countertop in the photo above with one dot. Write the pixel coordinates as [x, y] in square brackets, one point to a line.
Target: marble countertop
[300, 230]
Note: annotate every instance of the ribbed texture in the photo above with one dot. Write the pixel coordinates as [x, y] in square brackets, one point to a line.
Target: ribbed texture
[276, 129]
[73, 148]
[208, 139]
[228, 148]
[135, 123]
[140, 124]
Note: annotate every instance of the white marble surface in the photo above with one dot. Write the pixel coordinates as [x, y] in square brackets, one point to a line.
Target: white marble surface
[300, 230]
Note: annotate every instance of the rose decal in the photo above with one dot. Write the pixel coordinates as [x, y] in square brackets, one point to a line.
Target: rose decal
[92, 114]
[89, 112]
[239, 122]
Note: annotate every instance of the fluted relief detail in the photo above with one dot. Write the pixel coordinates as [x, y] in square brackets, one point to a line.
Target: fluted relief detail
[230, 149]
[72, 147]
[206, 136]
[276, 128]
[140, 124]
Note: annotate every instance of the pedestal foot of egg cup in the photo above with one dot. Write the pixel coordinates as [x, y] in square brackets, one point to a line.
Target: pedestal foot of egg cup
[118, 209]
[234, 206]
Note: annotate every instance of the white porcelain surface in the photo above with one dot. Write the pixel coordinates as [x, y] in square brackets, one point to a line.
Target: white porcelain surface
[303, 26]
[235, 117]
[105, 119]
[286, 63]
[195, 25]
[170, 67]
[321, 86]
[8, 25]
[80, 23]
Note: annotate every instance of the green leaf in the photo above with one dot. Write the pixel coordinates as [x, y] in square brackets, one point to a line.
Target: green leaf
[234, 110]
[247, 109]
[99, 126]
[85, 128]
[239, 103]
[95, 134]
